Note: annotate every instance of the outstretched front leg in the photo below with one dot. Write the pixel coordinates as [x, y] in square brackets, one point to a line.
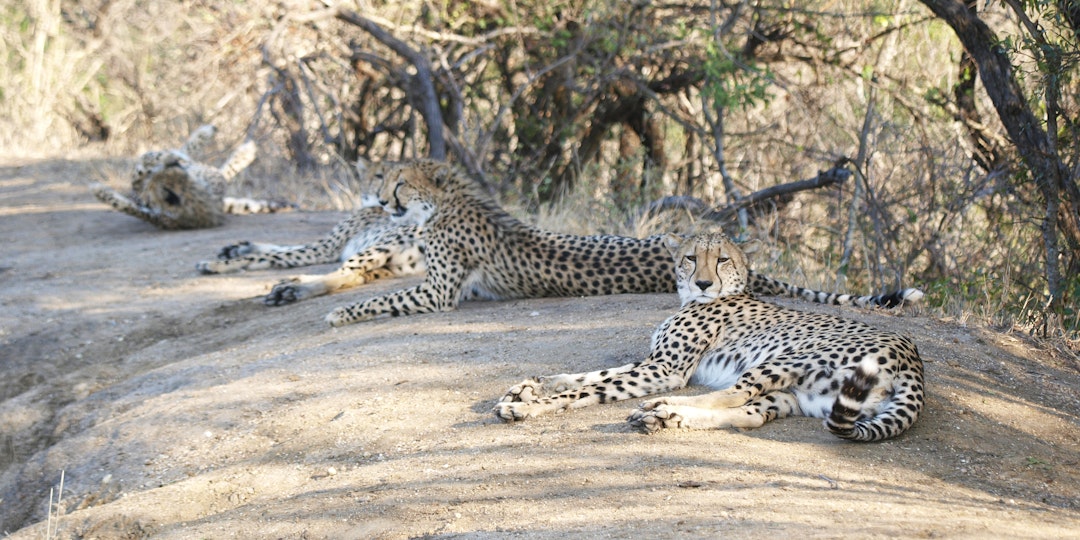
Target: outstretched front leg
[538, 387]
[254, 256]
[440, 291]
[625, 382]
[257, 256]
[710, 411]
[129, 206]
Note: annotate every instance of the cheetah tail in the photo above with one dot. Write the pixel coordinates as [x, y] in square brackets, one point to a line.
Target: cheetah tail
[239, 160]
[888, 300]
[761, 284]
[844, 420]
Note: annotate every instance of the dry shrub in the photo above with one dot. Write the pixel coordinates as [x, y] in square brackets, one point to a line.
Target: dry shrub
[532, 93]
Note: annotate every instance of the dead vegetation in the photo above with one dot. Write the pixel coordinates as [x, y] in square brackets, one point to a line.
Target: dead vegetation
[619, 104]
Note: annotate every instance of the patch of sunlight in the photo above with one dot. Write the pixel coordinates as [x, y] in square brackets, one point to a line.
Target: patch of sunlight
[62, 206]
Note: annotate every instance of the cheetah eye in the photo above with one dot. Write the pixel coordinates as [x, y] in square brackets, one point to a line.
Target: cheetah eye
[691, 258]
[723, 260]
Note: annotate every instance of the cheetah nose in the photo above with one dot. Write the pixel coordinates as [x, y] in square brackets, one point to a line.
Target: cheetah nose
[703, 284]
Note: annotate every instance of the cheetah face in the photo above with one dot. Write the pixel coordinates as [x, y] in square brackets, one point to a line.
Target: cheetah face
[707, 266]
[401, 190]
[156, 161]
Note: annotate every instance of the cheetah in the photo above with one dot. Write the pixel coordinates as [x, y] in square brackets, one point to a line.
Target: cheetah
[171, 191]
[474, 250]
[370, 245]
[767, 361]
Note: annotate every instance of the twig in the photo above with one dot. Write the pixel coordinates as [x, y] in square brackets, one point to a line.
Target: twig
[833, 484]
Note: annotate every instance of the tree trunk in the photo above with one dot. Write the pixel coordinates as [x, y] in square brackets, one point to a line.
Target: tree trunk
[1025, 131]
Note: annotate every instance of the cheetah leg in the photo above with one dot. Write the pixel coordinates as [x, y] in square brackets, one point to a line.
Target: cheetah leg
[628, 382]
[130, 207]
[538, 387]
[364, 267]
[241, 206]
[700, 412]
[253, 256]
[754, 382]
[441, 291]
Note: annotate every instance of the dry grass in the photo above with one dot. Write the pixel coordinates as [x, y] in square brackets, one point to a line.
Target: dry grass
[139, 76]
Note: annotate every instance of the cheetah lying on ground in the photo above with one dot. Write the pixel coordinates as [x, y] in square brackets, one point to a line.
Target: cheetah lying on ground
[171, 190]
[768, 361]
[475, 250]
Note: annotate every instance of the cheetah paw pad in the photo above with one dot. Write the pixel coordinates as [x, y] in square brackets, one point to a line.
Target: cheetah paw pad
[510, 411]
[527, 390]
[655, 419]
[285, 292]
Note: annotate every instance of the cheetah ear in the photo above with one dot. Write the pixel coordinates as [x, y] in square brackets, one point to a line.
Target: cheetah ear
[443, 174]
[362, 166]
[673, 242]
[751, 246]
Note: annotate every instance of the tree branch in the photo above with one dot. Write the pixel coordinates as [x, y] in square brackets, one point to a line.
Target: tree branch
[838, 174]
[422, 86]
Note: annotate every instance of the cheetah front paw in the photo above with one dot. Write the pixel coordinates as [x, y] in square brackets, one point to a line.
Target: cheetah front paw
[285, 292]
[527, 390]
[512, 411]
[101, 191]
[211, 267]
[340, 317]
[229, 259]
[233, 251]
[655, 418]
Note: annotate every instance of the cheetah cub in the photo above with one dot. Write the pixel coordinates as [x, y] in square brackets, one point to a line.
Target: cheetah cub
[170, 190]
[767, 361]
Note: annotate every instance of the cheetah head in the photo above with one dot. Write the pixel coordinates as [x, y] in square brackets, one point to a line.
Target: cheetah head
[156, 161]
[405, 190]
[707, 266]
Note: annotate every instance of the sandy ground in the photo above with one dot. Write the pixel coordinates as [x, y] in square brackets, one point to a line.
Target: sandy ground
[178, 406]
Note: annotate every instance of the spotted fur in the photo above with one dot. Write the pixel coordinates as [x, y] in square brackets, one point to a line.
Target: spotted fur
[475, 250]
[369, 245]
[767, 361]
[171, 190]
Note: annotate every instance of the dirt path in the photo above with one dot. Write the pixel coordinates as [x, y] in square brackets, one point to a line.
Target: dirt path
[180, 407]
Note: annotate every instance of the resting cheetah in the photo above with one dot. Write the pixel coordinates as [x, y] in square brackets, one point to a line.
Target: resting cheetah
[171, 190]
[475, 250]
[371, 246]
[768, 361]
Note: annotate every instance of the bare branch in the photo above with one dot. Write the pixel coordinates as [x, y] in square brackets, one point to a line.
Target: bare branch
[838, 174]
[422, 85]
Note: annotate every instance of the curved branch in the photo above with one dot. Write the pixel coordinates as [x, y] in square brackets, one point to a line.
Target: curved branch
[838, 174]
[422, 84]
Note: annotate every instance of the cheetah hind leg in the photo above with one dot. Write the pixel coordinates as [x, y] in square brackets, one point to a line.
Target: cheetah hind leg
[701, 412]
[364, 267]
[305, 287]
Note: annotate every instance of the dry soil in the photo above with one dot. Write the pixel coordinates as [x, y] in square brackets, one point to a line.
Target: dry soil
[178, 406]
